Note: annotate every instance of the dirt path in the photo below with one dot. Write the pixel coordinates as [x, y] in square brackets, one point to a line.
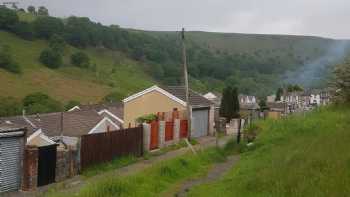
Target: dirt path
[214, 174]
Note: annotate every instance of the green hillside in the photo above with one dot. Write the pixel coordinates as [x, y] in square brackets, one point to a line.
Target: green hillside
[299, 156]
[114, 72]
[125, 60]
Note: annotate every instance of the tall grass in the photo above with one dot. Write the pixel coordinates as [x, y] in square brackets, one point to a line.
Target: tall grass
[157, 179]
[299, 156]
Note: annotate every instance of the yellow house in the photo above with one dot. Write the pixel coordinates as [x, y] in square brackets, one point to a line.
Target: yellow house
[156, 99]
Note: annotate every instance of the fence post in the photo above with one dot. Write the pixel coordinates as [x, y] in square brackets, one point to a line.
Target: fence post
[146, 136]
[176, 130]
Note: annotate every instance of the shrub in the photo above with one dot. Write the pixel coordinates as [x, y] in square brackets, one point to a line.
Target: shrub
[10, 106]
[113, 97]
[51, 58]
[41, 103]
[146, 118]
[6, 61]
[80, 59]
[57, 44]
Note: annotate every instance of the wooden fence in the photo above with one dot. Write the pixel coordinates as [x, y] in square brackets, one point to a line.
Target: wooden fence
[104, 147]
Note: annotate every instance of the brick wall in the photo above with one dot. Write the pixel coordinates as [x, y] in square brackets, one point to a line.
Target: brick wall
[30, 168]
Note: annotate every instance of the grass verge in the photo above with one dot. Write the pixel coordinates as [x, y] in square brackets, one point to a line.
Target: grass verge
[160, 177]
[299, 156]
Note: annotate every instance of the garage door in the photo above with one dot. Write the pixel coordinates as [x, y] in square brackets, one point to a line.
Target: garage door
[11, 151]
[200, 122]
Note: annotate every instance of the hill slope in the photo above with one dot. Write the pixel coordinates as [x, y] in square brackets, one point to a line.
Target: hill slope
[114, 72]
[299, 156]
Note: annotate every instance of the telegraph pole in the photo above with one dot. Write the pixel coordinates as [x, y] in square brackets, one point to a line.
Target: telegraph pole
[188, 106]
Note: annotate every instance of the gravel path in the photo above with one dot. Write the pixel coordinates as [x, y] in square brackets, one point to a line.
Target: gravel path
[214, 174]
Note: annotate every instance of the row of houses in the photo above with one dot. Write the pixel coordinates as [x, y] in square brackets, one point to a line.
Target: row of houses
[26, 140]
[299, 101]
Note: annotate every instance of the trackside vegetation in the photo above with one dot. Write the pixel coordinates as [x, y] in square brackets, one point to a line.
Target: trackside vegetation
[298, 156]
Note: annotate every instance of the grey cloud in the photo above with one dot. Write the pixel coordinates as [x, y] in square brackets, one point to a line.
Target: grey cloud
[307, 17]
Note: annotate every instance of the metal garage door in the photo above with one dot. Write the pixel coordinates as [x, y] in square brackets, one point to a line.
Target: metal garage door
[11, 152]
[200, 122]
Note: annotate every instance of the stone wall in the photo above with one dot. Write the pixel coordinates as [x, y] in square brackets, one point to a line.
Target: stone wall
[67, 164]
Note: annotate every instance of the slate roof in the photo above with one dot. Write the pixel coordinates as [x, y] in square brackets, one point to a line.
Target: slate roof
[116, 108]
[75, 123]
[196, 99]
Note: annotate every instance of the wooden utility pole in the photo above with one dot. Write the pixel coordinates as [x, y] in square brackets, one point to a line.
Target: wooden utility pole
[188, 106]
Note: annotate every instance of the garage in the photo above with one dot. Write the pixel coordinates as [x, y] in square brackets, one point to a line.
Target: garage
[11, 154]
[200, 122]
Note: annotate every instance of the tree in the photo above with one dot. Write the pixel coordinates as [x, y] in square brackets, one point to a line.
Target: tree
[8, 18]
[51, 58]
[46, 26]
[229, 104]
[342, 82]
[71, 104]
[57, 44]
[80, 59]
[9, 106]
[279, 93]
[31, 9]
[43, 11]
[23, 30]
[6, 60]
[40, 103]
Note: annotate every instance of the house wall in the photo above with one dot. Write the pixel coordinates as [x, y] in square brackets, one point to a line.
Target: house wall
[150, 103]
[38, 141]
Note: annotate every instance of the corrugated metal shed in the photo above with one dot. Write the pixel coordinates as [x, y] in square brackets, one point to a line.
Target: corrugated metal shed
[12, 140]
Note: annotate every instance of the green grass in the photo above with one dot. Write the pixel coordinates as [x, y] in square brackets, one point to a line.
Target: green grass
[109, 166]
[293, 157]
[115, 72]
[158, 178]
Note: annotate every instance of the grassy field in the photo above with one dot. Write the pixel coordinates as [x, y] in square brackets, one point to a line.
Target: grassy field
[114, 72]
[158, 179]
[295, 157]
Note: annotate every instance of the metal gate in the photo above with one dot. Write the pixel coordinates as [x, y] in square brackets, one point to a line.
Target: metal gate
[200, 122]
[47, 165]
[11, 155]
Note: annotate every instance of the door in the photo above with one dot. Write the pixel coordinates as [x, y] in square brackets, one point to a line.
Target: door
[11, 155]
[200, 122]
[47, 165]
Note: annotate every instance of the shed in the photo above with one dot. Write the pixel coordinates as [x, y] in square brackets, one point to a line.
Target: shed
[12, 142]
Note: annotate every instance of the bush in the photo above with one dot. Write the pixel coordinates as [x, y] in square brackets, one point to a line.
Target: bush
[6, 61]
[80, 59]
[57, 44]
[146, 118]
[8, 18]
[51, 58]
[113, 97]
[41, 103]
[10, 106]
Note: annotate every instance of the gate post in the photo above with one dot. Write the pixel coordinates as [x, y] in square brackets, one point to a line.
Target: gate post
[176, 130]
[161, 137]
[146, 136]
[30, 168]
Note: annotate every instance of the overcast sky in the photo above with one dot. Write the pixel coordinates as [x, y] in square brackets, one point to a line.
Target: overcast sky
[327, 18]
